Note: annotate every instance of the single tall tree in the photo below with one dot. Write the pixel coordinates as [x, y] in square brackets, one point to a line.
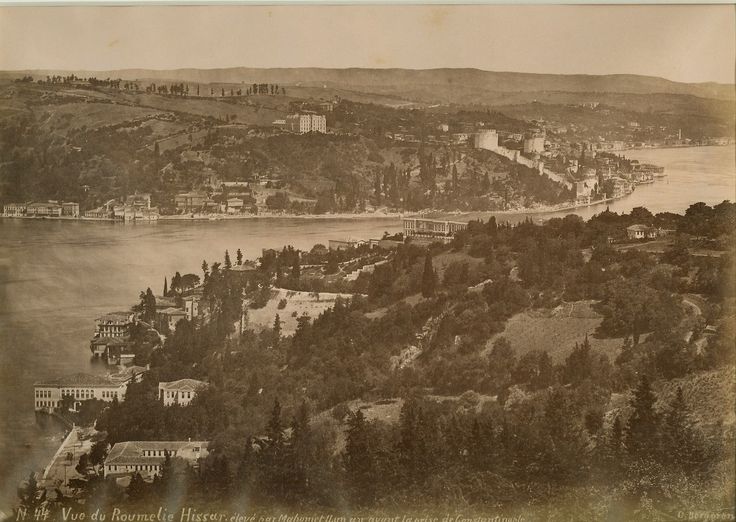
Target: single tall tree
[228, 265]
[205, 270]
[429, 277]
[642, 429]
[239, 257]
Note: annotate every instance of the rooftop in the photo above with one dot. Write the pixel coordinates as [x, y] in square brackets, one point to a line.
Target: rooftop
[637, 228]
[173, 311]
[116, 317]
[183, 385]
[79, 379]
[131, 452]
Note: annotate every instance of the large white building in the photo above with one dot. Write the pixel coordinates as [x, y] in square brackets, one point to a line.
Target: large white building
[179, 392]
[306, 122]
[15, 209]
[147, 457]
[83, 386]
[432, 229]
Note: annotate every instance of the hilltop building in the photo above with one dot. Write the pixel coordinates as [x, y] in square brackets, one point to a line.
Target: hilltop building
[306, 122]
[147, 457]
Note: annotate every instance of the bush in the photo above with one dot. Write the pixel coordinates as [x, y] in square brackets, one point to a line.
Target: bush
[282, 304]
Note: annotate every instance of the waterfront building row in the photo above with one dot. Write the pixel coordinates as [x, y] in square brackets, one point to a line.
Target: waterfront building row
[42, 209]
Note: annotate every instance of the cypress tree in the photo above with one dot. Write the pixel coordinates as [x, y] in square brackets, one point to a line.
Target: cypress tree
[296, 270]
[239, 257]
[360, 465]
[429, 277]
[228, 265]
[642, 429]
[166, 287]
[681, 445]
[276, 331]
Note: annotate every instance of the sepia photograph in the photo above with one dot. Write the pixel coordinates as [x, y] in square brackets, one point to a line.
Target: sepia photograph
[298, 262]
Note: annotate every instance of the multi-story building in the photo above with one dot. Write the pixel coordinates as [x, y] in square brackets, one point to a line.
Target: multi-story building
[109, 329]
[80, 387]
[147, 457]
[114, 324]
[15, 209]
[70, 209]
[432, 229]
[179, 392]
[49, 209]
[306, 122]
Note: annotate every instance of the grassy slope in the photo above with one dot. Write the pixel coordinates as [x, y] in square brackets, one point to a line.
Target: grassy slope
[556, 331]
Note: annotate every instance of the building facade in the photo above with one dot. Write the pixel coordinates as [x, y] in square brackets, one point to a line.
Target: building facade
[179, 392]
[49, 209]
[147, 457]
[432, 229]
[70, 209]
[114, 324]
[15, 209]
[306, 122]
[79, 387]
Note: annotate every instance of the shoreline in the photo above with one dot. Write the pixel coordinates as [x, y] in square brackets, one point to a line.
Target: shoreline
[542, 209]
[665, 147]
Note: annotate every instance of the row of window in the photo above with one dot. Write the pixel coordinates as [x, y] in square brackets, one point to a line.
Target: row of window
[137, 467]
[47, 404]
[77, 393]
[183, 395]
[158, 453]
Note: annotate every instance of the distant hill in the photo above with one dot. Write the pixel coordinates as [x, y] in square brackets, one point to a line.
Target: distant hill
[396, 81]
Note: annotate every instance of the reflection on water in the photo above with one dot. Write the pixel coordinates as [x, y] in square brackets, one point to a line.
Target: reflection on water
[56, 277]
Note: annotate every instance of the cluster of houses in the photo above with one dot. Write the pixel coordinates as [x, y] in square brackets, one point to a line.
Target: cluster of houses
[124, 458]
[135, 207]
[42, 209]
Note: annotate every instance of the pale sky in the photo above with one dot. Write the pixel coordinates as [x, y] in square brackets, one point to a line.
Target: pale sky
[680, 42]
